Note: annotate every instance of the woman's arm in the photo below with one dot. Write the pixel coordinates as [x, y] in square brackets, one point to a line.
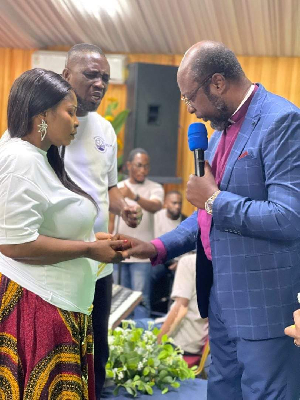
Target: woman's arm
[46, 250]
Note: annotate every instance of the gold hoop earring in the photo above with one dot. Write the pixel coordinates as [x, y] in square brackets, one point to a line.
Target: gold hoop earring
[43, 129]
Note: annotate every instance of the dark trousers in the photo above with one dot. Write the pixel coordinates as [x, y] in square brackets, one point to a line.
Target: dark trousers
[250, 369]
[160, 288]
[101, 311]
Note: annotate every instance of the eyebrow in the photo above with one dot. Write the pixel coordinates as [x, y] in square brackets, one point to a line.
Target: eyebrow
[93, 70]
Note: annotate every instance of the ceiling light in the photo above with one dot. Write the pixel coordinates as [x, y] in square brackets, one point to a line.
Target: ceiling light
[96, 7]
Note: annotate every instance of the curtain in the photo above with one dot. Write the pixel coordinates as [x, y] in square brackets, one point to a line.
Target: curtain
[13, 62]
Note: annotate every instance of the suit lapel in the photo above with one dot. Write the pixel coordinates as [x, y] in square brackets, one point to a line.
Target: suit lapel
[213, 145]
[251, 119]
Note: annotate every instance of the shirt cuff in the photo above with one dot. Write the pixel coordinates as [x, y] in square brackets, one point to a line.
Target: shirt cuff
[161, 252]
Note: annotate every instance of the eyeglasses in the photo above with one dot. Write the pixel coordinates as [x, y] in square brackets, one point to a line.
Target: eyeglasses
[140, 166]
[188, 101]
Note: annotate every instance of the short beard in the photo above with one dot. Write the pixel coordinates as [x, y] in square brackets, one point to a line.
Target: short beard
[174, 216]
[220, 122]
[86, 106]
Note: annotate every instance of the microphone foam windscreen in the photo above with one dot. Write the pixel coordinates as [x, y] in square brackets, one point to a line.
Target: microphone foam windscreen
[197, 136]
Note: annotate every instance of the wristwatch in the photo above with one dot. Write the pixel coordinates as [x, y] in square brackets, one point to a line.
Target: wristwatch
[137, 197]
[209, 202]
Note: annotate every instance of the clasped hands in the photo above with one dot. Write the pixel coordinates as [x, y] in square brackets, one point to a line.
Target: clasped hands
[115, 248]
[132, 215]
[107, 249]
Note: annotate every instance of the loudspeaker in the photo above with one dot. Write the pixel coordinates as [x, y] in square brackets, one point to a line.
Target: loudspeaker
[153, 100]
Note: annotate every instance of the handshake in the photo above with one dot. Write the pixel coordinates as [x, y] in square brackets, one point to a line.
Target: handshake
[116, 248]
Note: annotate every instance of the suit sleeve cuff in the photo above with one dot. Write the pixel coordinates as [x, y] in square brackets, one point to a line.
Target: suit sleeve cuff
[161, 252]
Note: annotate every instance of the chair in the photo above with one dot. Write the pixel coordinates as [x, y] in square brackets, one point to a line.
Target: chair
[199, 359]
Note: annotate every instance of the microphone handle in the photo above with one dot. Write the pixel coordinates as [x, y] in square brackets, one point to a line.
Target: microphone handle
[199, 162]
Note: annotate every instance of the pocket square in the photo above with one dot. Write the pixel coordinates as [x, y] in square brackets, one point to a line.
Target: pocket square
[243, 155]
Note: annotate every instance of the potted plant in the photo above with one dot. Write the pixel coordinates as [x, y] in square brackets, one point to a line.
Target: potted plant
[137, 362]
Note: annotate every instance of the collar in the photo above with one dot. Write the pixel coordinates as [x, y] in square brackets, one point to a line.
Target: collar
[247, 95]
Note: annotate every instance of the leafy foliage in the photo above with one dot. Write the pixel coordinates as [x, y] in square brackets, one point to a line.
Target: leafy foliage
[117, 121]
[137, 362]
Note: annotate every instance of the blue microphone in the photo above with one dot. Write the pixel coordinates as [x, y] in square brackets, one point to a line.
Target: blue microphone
[198, 143]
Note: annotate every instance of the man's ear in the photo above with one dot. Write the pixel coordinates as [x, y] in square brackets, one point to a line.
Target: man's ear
[66, 74]
[219, 82]
[128, 165]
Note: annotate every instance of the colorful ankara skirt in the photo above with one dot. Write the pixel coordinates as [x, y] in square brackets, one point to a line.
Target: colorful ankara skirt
[45, 352]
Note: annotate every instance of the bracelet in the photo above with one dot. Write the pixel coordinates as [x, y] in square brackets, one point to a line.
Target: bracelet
[209, 202]
[137, 197]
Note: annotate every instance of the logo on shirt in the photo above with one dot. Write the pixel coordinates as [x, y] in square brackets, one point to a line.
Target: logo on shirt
[100, 144]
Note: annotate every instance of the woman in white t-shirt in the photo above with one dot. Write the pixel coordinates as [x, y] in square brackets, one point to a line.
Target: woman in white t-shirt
[49, 254]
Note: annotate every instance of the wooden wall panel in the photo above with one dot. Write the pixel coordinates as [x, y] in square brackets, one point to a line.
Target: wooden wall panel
[13, 62]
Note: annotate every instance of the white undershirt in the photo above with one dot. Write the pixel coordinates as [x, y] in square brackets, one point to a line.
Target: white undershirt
[247, 95]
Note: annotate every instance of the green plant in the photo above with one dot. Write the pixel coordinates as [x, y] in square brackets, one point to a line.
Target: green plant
[137, 362]
[117, 121]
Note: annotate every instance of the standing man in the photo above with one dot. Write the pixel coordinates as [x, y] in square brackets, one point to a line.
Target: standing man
[138, 190]
[248, 244]
[91, 162]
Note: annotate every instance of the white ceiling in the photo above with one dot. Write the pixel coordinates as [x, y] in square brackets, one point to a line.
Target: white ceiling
[248, 27]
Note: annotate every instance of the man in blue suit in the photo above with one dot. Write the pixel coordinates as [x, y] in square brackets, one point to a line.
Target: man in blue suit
[246, 230]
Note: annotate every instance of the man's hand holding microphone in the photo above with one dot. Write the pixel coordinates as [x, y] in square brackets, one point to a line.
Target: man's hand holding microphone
[202, 186]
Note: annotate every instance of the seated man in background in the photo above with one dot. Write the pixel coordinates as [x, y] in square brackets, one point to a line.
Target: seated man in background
[183, 322]
[149, 195]
[170, 216]
[162, 275]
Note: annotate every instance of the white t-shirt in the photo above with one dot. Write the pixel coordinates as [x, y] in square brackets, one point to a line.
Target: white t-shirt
[163, 224]
[192, 331]
[91, 162]
[145, 231]
[34, 202]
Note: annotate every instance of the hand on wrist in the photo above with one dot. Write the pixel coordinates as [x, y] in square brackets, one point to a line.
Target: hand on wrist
[136, 197]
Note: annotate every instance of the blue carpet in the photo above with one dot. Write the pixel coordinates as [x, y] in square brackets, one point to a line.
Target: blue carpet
[191, 389]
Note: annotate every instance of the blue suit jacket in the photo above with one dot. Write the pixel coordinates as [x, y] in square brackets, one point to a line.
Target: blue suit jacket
[255, 234]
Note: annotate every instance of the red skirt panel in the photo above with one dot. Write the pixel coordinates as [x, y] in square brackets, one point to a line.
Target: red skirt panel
[45, 352]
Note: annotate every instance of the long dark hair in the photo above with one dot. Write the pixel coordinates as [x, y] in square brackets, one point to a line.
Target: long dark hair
[33, 93]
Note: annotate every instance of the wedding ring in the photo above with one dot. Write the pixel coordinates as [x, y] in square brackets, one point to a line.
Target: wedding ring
[296, 344]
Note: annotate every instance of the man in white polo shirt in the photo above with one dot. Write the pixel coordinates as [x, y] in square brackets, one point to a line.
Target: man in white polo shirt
[91, 162]
[138, 190]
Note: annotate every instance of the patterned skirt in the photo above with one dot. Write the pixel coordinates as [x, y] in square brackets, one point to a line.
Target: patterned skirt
[45, 352]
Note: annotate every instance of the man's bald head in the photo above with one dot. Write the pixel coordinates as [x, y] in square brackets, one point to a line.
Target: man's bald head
[212, 82]
[80, 50]
[207, 58]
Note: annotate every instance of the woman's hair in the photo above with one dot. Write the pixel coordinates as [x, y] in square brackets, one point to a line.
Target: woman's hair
[33, 93]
